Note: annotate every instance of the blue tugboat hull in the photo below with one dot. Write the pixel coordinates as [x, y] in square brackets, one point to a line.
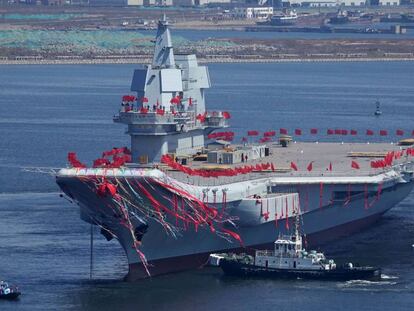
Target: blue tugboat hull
[235, 268]
[10, 296]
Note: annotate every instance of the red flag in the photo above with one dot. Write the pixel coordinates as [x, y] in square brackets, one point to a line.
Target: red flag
[330, 166]
[225, 114]
[344, 132]
[201, 118]
[354, 132]
[355, 165]
[252, 133]
[330, 132]
[310, 166]
[129, 98]
[175, 100]
[283, 131]
[314, 131]
[338, 132]
[399, 132]
[269, 134]
[298, 132]
[383, 133]
[293, 166]
[370, 132]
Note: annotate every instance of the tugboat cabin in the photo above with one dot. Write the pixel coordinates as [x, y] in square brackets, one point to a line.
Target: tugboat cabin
[289, 254]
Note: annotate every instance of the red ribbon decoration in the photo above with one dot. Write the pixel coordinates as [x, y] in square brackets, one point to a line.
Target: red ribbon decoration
[320, 195]
[287, 216]
[73, 160]
[366, 196]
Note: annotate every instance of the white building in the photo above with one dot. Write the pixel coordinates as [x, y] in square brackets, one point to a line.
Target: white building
[389, 2]
[135, 2]
[333, 3]
[250, 13]
[319, 3]
[150, 2]
[198, 2]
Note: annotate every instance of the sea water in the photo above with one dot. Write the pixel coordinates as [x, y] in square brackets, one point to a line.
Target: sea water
[47, 111]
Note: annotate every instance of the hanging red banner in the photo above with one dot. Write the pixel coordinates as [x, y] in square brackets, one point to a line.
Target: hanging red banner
[320, 195]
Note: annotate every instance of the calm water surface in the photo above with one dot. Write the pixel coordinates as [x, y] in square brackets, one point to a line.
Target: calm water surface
[46, 111]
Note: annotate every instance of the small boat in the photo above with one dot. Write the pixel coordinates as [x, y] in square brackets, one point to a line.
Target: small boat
[341, 17]
[8, 291]
[288, 260]
[284, 18]
[378, 111]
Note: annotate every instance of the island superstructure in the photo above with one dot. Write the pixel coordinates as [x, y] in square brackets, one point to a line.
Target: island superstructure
[178, 194]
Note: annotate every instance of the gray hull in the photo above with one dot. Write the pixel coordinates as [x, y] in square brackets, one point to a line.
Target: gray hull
[326, 215]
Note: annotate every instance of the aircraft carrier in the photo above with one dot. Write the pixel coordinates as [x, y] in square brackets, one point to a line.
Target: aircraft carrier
[182, 190]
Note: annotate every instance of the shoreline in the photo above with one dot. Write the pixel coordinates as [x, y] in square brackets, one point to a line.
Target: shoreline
[201, 60]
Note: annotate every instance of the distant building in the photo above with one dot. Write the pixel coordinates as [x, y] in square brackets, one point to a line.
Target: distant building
[135, 2]
[311, 4]
[107, 2]
[333, 3]
[389, 2]
[198, 2]
[253, 13]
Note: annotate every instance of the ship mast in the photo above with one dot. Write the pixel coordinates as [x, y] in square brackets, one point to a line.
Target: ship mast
[170, 114]
[163, 51]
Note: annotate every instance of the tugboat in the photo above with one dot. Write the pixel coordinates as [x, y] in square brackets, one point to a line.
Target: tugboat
[8, 291]
[378, 111]
[289, 260]
[341, 17]
[284, 18]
